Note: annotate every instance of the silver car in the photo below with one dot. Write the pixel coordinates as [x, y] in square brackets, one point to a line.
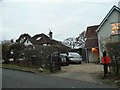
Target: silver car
[75, 57]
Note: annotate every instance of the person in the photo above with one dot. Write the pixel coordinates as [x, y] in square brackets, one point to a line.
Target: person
[105, 61]
[50, 62]
[67, 59]
[55, 62]
[58, 61]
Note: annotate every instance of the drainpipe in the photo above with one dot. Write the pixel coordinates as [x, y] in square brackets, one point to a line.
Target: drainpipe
[86, 51]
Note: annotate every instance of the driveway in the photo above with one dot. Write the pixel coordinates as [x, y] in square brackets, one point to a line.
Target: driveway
[88, 72]
[84, 67]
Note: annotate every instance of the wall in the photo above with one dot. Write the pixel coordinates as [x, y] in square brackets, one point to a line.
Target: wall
[93, 56]
[27, 42]
[105, 30]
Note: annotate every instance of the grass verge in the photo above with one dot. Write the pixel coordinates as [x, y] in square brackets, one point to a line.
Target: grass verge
[25, 69]
[111, 79]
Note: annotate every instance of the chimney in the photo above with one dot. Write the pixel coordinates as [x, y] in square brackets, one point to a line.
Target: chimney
[50, 34]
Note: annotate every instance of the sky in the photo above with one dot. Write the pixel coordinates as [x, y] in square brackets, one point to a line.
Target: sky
[65, 18]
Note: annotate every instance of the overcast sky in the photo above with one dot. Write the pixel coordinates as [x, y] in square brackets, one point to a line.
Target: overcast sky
[65, 18]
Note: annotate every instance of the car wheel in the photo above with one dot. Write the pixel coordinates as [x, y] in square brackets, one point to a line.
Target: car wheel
[80, 62]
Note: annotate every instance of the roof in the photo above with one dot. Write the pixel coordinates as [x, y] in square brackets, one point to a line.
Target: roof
[25, 37]
[40, 39]
[107, 16]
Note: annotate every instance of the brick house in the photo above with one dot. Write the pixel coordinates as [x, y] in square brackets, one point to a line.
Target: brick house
[91, 44]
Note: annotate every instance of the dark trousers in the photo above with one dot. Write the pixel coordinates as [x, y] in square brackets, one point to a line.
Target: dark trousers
[105, 70]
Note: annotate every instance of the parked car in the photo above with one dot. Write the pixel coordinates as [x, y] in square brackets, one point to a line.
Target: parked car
[64, 59]
[75, 57]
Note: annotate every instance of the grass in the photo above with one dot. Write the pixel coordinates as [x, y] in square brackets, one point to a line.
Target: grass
[26, 69]
[111, 79]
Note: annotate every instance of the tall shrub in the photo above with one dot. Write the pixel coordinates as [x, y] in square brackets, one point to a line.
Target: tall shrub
[114, 54]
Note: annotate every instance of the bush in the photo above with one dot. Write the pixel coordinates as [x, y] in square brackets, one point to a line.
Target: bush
[5, 52]
[114, 54]
[39, 56]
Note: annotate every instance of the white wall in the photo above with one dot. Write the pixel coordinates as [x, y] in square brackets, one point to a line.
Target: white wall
[27, 42]
[105, 31]
[93, 56]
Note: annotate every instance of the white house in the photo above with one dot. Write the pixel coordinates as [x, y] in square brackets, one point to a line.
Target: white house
[108, 27]
[27, 42]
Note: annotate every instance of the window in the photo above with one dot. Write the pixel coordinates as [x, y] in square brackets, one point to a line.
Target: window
[44, 44]
[115, 28]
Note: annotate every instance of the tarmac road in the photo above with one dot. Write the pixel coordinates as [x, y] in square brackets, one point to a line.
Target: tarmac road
[19, 79]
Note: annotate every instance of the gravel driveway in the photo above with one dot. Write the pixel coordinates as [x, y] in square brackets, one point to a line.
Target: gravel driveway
[88, 72]
[84, 67]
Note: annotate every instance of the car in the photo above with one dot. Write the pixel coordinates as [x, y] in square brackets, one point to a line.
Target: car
[74, 57]
[64, 59]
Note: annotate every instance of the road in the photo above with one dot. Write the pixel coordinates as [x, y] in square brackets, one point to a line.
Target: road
[19, 79]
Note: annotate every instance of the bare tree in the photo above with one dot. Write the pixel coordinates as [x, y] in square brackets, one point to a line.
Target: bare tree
[77, 42]
[80, 40]
[70, 42]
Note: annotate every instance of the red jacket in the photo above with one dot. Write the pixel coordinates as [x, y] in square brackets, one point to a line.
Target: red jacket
[105, 60]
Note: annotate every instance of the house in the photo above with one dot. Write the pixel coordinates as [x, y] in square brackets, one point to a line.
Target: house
[26, 40]
[109, 29]
[91, 44]
[38, 48]
[39, 40]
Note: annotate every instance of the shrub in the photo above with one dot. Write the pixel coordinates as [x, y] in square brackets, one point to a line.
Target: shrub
[114, 54]
[38, 56]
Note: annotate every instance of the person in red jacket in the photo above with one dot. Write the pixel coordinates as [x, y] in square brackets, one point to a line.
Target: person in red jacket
[105, 61]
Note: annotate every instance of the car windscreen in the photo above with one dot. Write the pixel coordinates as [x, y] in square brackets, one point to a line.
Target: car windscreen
[74, 55]
[62, 54]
